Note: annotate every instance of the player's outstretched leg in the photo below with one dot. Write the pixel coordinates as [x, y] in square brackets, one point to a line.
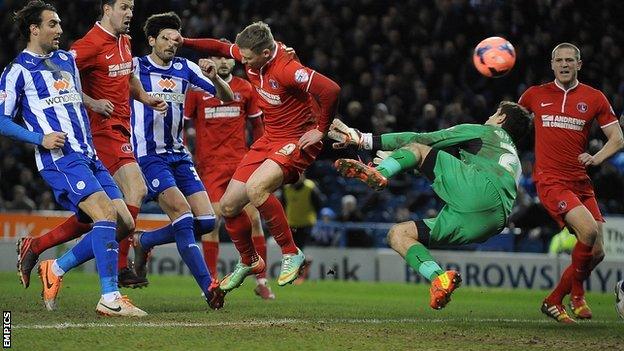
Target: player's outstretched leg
[355, 169]
[619, 298]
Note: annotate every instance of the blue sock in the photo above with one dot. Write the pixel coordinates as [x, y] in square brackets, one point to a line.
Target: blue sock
[190, 252]
[157, 237]
[106, 250]
[77, 255]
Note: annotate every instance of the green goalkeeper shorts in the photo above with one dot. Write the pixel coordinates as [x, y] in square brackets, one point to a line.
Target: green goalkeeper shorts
[473, 212]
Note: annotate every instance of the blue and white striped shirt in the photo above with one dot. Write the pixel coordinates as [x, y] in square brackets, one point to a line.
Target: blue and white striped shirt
[47, 92]
[154, 132]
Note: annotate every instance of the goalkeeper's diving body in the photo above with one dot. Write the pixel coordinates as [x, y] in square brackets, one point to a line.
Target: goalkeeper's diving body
[478, 185]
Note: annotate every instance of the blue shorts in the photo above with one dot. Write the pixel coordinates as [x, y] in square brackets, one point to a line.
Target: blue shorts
[164, 171]
[74, 177]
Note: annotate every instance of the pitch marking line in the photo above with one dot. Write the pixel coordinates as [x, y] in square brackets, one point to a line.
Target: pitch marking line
[270, 322]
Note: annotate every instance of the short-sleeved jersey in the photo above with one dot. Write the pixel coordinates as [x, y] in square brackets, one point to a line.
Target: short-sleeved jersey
[105, 64]
[282, 86]
[220, 126]
[486, 147]
[562, 123]
[46, 91]
[154, 132]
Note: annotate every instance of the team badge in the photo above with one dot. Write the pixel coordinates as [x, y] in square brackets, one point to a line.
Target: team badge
[301, 76]
[126, 148]
[177, 66]
[63, 56]
[273, 84]
[3, 95]
[155, 183]
[582, 107]
[237, 97]
[562, 205]
[81, 185]
[287, 149]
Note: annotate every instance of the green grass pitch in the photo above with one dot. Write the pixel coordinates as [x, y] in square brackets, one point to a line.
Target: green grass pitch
[327, 315]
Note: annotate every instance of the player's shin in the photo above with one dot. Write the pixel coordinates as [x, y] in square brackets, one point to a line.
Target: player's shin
[421, 261]
[106, 251]
[189, 250]
[400, 160]
[273, 213]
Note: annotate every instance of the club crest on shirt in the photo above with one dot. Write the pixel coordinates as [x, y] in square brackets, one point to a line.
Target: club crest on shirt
[155, 183]
[562, 205]
[237, 97]
[273, 84]
[301, 76]
[582, 107]
[63, 56]
[126, 148]
[177, 66]
[81, 185]
[286, 149]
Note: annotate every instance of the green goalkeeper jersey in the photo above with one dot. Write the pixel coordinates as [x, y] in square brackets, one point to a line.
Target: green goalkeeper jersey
[488, 148]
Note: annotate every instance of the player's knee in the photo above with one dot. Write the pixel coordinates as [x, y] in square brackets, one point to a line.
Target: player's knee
[256, 193]
[108, 211]
[597, 257]
[395, 234]
[229, 208]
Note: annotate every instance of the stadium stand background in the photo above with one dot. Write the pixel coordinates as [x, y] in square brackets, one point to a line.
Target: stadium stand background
[402, 65]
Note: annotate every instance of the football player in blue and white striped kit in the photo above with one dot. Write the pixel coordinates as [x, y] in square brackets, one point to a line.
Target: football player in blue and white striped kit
[166, 164]
[43, 85]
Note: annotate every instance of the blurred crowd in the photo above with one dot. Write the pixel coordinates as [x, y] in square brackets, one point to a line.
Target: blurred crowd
[402, 65]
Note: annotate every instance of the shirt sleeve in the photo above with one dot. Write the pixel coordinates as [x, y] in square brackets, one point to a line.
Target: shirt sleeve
[525, 99]
[253, 111]
[197, 78]
[85, 54]
[190, 105]
[11, 90]
[214, 47]
[604, 113]
[439, 139]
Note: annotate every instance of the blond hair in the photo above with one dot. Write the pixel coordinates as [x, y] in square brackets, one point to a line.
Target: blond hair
[256, 37]
[577, 52]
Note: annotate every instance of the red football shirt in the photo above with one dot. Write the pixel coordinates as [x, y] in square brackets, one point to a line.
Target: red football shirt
[105, 63]
[220, 126]
[283, 90]
[562, 123]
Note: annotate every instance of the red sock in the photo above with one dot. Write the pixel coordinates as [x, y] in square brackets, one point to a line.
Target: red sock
[562, 288]
[273, 213]
[124, 245]
[62, 233]
[260, 244]
[211, 253]
[582, 264]
[239, 228]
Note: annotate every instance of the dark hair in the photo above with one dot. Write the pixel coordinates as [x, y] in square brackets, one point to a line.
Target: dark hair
[29, 15]
[256, 37]
[155, 23]
[518, 121]
[110, 3]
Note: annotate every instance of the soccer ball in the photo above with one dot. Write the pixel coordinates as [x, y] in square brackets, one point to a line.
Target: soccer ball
[494, 57]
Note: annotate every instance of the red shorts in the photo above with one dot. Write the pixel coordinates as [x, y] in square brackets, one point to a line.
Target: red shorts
[561, 196]
[286, 153]
[216, 178]
[113, 147]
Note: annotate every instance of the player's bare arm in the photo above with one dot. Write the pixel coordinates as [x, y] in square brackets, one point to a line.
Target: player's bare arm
[138, 93]
[614, 143]
[209, 69]
[102, 106]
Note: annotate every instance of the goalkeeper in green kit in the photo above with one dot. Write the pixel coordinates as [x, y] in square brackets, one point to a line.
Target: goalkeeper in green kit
[478, 187]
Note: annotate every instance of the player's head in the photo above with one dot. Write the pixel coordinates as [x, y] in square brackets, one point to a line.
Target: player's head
[158, 29]
[225, 65]
[117, 14]
[566, 62]
[256, 44]
[39, 25]
[513, 118]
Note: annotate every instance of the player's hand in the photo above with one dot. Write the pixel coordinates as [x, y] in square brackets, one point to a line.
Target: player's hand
[208, 67]
[381, 155]
[344, 135]
[157, 104]
[310, 137]
[587, 160]
[54, 140]
[103, 107]
[177, 39]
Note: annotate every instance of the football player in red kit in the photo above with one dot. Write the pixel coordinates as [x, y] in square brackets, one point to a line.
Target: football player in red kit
[563, 114]
[286, 92]
[220, 144]
[104, 59]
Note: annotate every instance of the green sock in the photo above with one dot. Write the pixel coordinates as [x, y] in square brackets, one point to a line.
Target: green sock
[419, 258]
[398, 161]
